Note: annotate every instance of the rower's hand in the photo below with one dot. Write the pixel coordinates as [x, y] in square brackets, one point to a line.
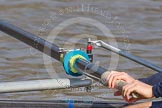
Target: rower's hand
[144, 91]
[114, 76]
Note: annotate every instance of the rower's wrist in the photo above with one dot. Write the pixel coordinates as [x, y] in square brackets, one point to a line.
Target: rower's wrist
[152, 93]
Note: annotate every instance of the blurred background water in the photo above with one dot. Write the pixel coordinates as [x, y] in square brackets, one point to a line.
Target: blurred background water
[135, 26]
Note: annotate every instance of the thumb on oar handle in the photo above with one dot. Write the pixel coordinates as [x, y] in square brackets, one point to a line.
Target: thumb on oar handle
[118, 85]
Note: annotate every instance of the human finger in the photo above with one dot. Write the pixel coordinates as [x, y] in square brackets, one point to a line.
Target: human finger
[110, 77]
[127, 89]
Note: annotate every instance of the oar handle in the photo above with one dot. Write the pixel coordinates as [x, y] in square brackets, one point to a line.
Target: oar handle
[98, 73]
[118, 85]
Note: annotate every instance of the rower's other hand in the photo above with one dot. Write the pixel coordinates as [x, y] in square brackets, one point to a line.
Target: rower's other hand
[114, 76]
[144, 91]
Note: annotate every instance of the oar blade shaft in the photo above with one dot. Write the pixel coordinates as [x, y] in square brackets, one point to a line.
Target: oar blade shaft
[30, 39]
